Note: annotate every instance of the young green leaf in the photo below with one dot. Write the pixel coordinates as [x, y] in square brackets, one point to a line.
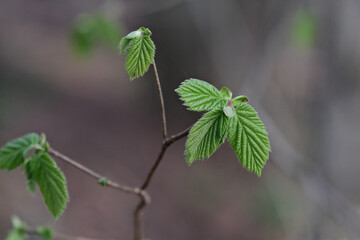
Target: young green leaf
[238, 100]
[140, 52]
[226, 93]
[16, 234]
[200, 96]
[45, 233]
[91, 29]
[19, 230]
[31, 183]
[206, 136]
[229, 111]
[51, 181]
[13, 153]
[249, 139]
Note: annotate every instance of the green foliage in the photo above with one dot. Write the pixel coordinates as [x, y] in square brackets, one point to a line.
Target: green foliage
[51, 181]
[31, 183]
[140, 51]
[45, 233]
[19, 230]
[305, 29]
[91, 29]
[13, 153]
[226, 93]
[231, 118]
[206, 136]
[238, 100]
[39, 169]
[200, 96]
[248, 137]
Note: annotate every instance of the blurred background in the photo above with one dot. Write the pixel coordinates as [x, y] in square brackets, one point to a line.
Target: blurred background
[297, 61]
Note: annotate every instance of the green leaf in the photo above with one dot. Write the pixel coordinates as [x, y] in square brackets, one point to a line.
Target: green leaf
[200, 96]
[13, 153]
[140, 52]
[238, 100]
[249, 139]
[125, 41]
[45, 233]
[305, 29]
[206, 136]
[51, 181]
[90, 29]
[16, 234]
[31, 183]
[19, 230]
[226, 93]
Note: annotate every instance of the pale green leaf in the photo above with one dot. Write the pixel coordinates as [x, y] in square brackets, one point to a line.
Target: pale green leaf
[45, 233]
[238, 100]
[140, 52]
[52, 183]
[206, 136]
[249, 139]
[13, 153]
[226, 93]
[18, 232]
[200, 96]
[229, 111]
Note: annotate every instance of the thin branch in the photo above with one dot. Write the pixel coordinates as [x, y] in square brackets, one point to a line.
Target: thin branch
[160, 156]
[139, 211]
[57, 236]
[161, 101]
[178, 136]
[97, 176]
[154, 167]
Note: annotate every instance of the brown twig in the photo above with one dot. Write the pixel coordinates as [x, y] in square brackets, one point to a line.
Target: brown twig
[142, 204]
[98, 177]
[163, 116]
[141, 192]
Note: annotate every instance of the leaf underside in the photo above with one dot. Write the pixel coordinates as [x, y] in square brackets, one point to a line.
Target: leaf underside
[200, 96]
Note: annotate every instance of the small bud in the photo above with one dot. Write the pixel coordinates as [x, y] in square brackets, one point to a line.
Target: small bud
[239, 99]
[104, 182]
[229, 111]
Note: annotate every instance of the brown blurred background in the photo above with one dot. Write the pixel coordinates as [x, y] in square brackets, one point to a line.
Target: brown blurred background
[297, 61]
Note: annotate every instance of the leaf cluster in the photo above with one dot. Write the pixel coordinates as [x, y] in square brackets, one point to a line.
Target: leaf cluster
[227, 118]
[19, 231]
[30, 152]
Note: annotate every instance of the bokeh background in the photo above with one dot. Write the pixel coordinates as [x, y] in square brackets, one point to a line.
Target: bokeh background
[297, 61]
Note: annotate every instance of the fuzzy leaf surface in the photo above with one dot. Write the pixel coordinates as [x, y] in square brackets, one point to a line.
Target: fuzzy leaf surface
[13, 153]
[206, 136]
[249, 139]
[52, 183]
[200, 96]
